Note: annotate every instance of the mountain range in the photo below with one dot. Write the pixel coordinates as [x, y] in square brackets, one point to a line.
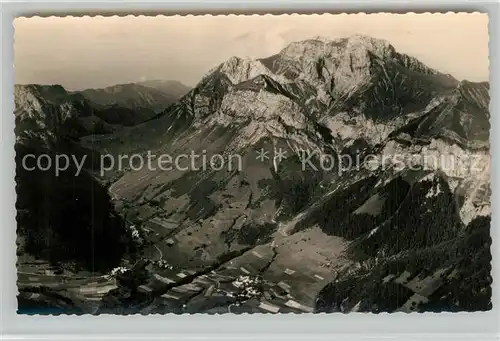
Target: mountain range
[155, 95]
[343, 239]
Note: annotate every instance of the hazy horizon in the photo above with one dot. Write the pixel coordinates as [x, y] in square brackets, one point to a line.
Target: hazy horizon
[95, 52]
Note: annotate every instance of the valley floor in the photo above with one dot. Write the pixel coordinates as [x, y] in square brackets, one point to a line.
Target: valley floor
[287, 276]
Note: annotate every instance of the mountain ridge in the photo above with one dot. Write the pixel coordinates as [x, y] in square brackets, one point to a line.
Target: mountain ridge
[129, 95]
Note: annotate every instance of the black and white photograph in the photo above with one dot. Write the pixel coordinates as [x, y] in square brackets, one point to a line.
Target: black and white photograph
[261, 164]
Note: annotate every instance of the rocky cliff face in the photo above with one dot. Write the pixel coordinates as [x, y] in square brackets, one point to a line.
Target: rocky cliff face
[43, 112]
[356, 86]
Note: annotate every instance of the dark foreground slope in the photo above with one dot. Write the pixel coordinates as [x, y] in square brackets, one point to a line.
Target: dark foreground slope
[67, 217]
[68, 232]
[451, 275]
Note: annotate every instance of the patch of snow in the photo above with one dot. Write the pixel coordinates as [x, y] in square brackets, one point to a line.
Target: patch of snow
[350, 128]
[433, 192]
[372, 232]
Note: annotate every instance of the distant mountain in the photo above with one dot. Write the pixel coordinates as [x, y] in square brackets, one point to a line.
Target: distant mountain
[170, 87]
[49, 111]
[136, 96]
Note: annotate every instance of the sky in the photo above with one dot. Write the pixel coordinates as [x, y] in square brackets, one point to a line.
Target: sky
[94, 52]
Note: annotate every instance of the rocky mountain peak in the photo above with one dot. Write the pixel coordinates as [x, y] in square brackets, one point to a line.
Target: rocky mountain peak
[26, 99]
[324, 47]
[42, 111]
[30, 99]
[358, 82]
[361, 45]
[239, 69]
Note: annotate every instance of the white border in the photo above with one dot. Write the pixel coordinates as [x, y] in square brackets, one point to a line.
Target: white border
[428, 326]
